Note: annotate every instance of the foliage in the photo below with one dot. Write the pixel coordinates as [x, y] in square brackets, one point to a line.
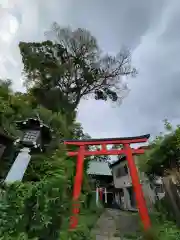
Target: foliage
[163, 154]
[164, 229]
[30, 210]
[35, 209]
[71, 67]
[87, 220]
[164, 208]
[162, 159]
[161, 229]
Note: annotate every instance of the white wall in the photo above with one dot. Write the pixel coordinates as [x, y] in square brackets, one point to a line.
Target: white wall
[121, 182]
[125, 181]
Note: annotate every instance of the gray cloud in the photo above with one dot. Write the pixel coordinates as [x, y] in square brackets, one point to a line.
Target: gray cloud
[116, 23]
[154, 94]
[149, 28]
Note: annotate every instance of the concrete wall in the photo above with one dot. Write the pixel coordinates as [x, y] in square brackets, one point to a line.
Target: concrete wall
[157, 182]
[125, 181]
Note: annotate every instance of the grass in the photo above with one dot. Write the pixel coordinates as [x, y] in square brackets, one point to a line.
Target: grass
[89, 218]
[161, 230]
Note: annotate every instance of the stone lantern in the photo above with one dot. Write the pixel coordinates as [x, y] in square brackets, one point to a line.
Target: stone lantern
[35, 137]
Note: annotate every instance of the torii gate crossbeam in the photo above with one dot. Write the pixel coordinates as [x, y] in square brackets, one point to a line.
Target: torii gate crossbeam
[127, 151]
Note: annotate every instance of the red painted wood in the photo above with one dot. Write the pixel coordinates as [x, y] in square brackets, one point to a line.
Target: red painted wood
[132, 167]
[77, 187]
[107, 152]
[100, 194]
[104, 147]
[141, 203]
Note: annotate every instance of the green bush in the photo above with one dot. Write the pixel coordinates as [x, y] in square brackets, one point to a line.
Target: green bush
[33, 209]
[39, 211]
[166, 231]
[165, 210]
[87, 220]
[161, 229]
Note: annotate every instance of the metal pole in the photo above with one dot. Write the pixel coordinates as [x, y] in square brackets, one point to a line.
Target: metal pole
[77, 188]
[105, 193]
[141, 203]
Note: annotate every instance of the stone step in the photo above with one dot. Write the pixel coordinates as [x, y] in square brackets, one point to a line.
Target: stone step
[114, 221]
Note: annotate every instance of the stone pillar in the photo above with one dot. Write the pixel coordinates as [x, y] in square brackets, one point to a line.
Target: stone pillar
[127, 201]
[19, 166]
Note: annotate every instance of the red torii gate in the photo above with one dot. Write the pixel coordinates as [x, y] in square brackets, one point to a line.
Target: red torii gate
[126, 150]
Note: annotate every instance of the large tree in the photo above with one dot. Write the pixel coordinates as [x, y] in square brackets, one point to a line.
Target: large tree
[71, 66]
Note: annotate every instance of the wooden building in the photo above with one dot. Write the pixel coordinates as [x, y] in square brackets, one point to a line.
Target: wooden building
[102, 179]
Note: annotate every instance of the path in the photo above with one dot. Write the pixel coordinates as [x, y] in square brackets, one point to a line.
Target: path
[114, 224]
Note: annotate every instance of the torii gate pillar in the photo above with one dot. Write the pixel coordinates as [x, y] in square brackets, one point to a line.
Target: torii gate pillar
[128, 151]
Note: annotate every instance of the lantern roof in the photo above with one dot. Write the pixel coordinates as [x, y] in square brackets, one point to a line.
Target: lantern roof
[35, 124]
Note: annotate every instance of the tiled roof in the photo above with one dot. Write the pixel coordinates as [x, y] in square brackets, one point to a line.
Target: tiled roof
[110, 139]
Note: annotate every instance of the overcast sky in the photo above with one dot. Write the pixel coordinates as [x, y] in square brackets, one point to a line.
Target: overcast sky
[149, 28]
